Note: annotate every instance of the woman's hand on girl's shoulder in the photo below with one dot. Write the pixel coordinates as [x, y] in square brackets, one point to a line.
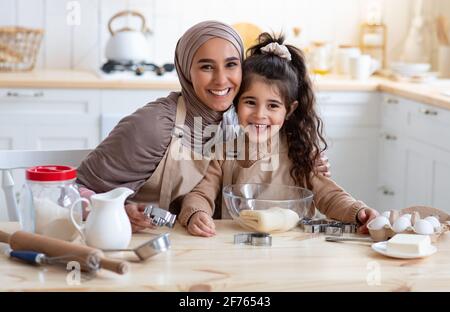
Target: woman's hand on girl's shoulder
[139, 221]
[323, 165]
[201, 224]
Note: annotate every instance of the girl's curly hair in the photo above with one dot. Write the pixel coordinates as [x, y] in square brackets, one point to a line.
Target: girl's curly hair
[303, 128]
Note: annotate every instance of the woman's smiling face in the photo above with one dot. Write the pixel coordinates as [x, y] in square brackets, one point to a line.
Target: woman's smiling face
[216, 73]
[261, 110]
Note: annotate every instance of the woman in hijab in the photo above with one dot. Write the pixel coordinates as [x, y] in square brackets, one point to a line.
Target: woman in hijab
[161, 150]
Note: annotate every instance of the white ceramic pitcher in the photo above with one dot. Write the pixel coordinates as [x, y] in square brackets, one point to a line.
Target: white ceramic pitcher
[107, 225]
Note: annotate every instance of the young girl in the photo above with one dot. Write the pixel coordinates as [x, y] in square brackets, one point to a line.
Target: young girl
[276, 108]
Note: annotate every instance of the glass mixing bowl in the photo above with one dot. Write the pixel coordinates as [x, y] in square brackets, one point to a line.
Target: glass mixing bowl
[256, 196]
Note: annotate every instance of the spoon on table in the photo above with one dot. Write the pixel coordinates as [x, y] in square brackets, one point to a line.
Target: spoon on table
[348, 239]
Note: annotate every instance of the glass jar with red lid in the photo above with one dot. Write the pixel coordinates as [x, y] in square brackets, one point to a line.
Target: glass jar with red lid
[50, 203]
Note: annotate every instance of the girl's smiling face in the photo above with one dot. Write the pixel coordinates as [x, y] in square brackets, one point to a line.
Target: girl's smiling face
[261, 110]
[216, 73]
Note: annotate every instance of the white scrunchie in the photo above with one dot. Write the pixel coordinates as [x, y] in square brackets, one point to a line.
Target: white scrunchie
[277, 49]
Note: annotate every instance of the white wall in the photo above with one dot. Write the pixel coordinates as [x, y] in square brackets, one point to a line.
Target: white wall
[69, 45]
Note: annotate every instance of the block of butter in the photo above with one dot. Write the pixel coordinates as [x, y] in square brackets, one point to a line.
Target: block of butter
[408, 243]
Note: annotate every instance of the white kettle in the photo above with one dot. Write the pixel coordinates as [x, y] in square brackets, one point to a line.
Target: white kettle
[128, 45]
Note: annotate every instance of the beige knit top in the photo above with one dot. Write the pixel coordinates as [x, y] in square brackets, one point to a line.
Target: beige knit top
[329, 198]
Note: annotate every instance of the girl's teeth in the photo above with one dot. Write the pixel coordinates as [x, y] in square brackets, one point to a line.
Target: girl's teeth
[219, 92]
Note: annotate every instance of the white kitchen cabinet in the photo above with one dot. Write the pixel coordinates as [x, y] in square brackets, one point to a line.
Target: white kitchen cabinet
[9, 136]
[414, 163]
[427, 175]
[391, 165]
[351, 125]
[440, 194]
[391, 178]
[49, 119]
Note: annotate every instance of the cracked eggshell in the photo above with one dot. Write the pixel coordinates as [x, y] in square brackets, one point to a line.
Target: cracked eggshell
[393, 216]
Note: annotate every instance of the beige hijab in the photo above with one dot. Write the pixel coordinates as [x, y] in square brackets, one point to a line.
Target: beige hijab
[187, 46]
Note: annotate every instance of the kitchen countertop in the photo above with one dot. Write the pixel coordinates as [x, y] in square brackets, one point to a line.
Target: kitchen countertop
[296, 262]
[431, 93]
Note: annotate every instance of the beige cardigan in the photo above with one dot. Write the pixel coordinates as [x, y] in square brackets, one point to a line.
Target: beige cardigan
[329, 198]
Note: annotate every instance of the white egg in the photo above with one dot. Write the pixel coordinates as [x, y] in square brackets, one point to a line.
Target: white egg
[407, 215]
[434, 221]
[386, 214]
[378, 223]
[423, 227]
[401, 224]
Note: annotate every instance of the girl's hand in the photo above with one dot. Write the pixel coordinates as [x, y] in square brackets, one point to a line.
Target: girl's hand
[138, 220]
[323, 165]
[201, 224]
[364, 216]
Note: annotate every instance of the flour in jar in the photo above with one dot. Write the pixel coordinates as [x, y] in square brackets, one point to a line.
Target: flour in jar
[53, 220]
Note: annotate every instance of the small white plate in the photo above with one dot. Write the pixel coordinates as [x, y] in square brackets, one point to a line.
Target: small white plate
[381, 247]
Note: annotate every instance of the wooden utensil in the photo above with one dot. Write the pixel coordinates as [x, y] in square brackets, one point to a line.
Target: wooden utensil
[51, 247]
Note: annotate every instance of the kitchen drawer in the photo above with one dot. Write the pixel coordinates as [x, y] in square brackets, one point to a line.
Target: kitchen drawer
[342, 109]
[429, 124]
[394, 112]
[49, 118]
[49, 102]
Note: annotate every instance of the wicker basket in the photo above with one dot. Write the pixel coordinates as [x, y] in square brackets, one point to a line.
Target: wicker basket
[19, 48]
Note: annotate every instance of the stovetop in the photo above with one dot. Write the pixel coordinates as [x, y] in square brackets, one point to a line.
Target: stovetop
[138, 69]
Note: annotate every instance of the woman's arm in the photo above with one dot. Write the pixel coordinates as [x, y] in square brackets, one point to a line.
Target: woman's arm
[132, 151]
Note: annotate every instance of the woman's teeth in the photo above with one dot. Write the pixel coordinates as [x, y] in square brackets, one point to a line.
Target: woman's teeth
[220, 92]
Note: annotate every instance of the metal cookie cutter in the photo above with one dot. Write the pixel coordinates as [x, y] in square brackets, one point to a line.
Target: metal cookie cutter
[254, 239]
[329, 227]
[160, 216]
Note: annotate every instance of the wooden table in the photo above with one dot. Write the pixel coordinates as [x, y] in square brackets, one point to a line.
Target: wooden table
[296, 262]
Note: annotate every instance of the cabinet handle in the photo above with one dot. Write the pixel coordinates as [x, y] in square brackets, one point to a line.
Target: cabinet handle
[390, 137]
[391, 101]
[428, 112]
[387, 191]
[25, 95]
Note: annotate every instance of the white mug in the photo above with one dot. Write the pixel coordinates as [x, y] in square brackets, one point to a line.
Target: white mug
[362, 67]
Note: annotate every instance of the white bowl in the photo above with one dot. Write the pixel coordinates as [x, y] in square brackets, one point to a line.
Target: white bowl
[410, 69]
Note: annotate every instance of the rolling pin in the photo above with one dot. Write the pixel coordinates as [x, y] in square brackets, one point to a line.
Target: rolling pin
[87, 257]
